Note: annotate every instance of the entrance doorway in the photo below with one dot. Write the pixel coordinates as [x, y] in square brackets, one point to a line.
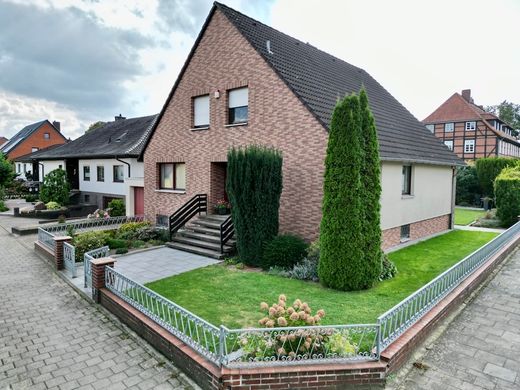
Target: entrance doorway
[138, 201]
[218, 172]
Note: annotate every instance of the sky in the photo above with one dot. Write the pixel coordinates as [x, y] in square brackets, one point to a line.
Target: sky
[81, 61]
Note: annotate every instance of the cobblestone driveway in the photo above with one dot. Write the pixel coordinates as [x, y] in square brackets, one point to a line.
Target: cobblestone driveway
[481, 347]
[50, 338]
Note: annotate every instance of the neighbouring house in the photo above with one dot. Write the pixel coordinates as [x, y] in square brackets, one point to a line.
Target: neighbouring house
[102, 164]
[247, 83]
[3, 140]
[470, 131]
[34, 137]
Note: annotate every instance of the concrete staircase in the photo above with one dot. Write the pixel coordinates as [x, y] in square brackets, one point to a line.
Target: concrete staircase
[202, 236]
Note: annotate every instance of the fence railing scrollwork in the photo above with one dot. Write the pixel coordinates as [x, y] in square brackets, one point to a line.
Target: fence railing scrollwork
[87, 265]
[69, 259]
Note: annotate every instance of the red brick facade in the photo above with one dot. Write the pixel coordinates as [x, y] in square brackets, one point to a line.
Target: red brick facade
[427, 227]
[224, 60]
[37, 140]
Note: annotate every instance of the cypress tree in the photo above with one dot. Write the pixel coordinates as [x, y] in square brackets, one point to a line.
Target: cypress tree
[341, 239]
[254, 186]
[371, 193]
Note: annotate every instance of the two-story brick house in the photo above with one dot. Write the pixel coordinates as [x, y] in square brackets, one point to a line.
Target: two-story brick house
[470, 131]
[247, 83]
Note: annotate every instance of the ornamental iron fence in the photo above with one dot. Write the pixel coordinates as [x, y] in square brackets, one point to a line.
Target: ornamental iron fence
[87, 265]
[402, 316]
[89, 224]
[47, 239]
[69, 259]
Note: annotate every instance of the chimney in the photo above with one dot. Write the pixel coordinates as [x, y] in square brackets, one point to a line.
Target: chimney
[57, 125]
[466, 94]
[119, 117]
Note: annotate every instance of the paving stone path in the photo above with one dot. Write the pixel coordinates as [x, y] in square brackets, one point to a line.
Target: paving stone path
[51, 338]
[481, 347]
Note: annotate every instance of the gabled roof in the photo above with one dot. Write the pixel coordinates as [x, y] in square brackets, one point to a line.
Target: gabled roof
[456, 109]
[318, 79]
[23, 134]
[3, 140]
[121, 138]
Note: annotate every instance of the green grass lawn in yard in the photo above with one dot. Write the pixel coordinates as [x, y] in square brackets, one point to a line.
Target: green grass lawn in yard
[465, 217]
[223, 295]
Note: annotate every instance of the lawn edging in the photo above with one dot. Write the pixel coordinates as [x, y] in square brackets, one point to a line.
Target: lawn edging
[398, 353]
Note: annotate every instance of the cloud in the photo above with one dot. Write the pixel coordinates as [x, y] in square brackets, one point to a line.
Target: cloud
[67, 56]
[182, 15]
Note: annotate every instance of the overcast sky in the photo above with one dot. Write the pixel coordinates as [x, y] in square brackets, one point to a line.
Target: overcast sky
[80, 61]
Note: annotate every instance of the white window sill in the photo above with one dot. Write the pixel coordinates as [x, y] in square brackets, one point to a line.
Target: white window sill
[236, 124]
[199, 128]
[172, 191]
[403, 240]
[404, 196]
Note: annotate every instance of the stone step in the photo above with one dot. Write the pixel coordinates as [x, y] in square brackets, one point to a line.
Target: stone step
[201, 230]
[212, 224]
[203, 236]
[196, 249]
[200, 243]
[214, 217]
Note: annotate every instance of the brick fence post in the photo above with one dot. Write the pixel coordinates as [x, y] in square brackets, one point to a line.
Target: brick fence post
[58, 250]
[98, 275]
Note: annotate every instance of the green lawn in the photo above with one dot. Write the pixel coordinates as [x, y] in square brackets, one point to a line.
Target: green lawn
[222, 295]
[465, 216]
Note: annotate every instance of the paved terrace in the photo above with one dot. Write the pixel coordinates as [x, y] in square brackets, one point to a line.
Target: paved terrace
[51, 338]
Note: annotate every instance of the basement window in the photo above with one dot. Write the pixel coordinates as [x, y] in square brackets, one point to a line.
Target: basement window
[238, 106]
[405, 232]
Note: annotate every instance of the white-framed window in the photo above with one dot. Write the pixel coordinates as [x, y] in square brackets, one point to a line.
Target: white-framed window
[469, 146]
[238, 105]
[449, 144]
[46, 136]
[34, 149]
[407, 180]
[431, 128]
[201, 111]
[471, 126]
[24, 168]
[449, 127]
[118, 173]
[100, 172]
[19, 168]
[86, 172]
[172, 176]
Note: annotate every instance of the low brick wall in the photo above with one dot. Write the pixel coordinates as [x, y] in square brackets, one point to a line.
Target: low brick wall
[425, 228]
[44, 252]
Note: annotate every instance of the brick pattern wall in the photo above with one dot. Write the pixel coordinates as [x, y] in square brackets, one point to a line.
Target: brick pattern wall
[392, 237]
[222, 61]
[37, 140]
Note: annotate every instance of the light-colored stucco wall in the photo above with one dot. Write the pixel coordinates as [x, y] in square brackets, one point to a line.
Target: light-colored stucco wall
[431, 194]
[49, 166]
[108, 186]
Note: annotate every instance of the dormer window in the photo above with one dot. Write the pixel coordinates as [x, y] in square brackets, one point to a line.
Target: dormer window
[238, 106]
[201, 111]
[471, 126]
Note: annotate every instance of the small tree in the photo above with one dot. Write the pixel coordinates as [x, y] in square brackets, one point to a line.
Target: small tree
[117, 207]
[468, 186]
[507, 192]
[341, 236]
[254, 186]
[489, 168]
[6, 171]
[55, 187]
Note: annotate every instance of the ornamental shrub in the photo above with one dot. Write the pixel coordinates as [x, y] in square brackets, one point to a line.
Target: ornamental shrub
[128, 231]
[489, 168]
[389, 269]
[507, 193]
[115, 243]
[55, 187]
[254, 186]
[349, 259]
[117, 207]
[52, 206]
[88, 241]
[284, 251]
[468, 186]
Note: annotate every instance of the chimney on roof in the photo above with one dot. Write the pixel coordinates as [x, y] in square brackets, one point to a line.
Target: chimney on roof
[119, 117]
[57, 125]
[466, 94]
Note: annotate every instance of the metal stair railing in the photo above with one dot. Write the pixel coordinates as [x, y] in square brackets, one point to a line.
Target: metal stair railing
[196, 205]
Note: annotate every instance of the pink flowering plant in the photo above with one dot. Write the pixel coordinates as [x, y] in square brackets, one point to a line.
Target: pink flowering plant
[222, 204]
[99, 214]
[286, 344]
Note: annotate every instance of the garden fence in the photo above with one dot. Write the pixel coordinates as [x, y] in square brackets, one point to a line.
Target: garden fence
[292, 345]
[47, 239]
[87, 265]
[60, 229]
[402, 316]
[69, 259]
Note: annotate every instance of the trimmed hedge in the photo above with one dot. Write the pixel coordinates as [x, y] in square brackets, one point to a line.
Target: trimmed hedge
[507, 192]
[254, 186]
[284, 251]
[489, 168]
[468, 186]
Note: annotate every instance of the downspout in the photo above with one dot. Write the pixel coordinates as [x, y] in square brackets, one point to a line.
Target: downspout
[124, 162]
[453, 196]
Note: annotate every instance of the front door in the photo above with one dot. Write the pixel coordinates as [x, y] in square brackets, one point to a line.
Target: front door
[138, 201]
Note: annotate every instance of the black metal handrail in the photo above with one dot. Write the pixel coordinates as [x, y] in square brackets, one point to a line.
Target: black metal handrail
[227, 229]
[196, 205]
